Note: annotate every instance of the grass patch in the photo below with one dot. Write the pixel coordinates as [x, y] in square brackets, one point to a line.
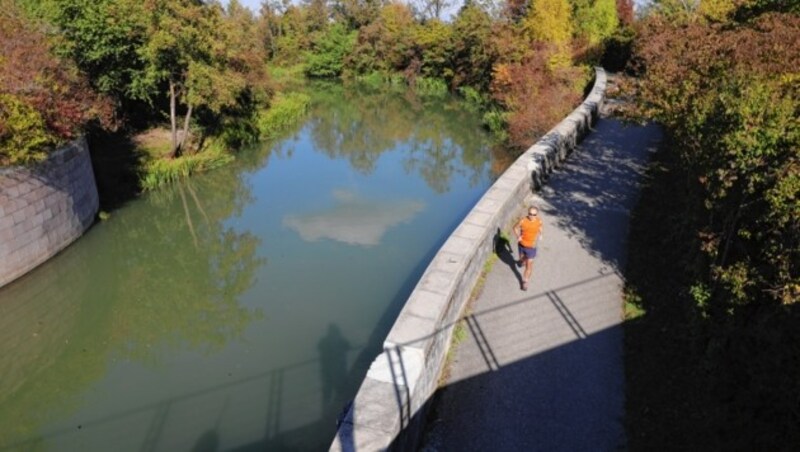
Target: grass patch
[162, 171]
[459, 335]
[154, 145]
[431, 87]
[286, 111]
[380, 80]
[288, 78]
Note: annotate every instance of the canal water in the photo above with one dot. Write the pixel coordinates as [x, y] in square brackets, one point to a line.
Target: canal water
[241, 309]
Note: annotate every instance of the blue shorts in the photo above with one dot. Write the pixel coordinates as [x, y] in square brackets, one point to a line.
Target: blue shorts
[529, 253]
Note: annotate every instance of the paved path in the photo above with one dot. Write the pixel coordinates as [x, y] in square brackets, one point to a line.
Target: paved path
[542, 370]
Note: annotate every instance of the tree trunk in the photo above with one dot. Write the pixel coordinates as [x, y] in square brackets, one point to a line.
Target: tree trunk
[185, 134]
[172, 120]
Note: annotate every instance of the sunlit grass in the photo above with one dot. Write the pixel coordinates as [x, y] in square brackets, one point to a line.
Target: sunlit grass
[162, 171]
[286, 110]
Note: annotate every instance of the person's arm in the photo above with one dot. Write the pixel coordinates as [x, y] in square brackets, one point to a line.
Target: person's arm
[518, 229]
[541, 230]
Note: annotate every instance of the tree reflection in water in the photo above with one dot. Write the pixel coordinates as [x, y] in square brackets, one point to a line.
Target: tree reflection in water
[172, 280]
[442, 138]
[165, 277]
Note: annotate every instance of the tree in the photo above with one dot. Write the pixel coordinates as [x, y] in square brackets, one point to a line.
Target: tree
[200, 57]
[386, 43]
[625, 12]
[595, 20]
[433, 44]
[550, 22]
[326, 59]
[728, 93]
[102, 37]
[356, 13]
[44, 98]
[473, 50]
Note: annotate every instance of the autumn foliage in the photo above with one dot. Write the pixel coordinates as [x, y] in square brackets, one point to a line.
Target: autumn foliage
[45, 99]
[730, 97]
[724, 83]
[536, 95]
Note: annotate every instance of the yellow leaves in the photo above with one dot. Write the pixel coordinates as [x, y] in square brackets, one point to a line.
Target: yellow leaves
[718, 10]
[550, 21]
[23, 134]
[595, 20]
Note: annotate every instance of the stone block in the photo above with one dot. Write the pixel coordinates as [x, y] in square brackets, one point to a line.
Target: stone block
[488, 205]
[517, 170]
[39, 206]
[19, 216]
[426, 305]
[377, 407]
[29, 211]
[505, 183]
[437, 281]
[470, 231]
[400, 366]
[480, 219]
[455, 252]
[411, 330]
[6, 236]
[6, 222]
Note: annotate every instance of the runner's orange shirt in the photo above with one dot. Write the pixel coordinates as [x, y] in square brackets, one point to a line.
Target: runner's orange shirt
[530, 231]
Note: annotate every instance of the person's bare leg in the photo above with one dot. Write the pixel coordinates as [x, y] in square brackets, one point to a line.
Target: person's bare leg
[526, 276]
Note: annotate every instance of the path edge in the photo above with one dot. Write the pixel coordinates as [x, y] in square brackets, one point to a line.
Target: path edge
[389, 409]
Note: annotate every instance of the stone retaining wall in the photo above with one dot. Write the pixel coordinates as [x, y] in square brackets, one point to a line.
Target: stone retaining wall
[44, 208]
[389, 409]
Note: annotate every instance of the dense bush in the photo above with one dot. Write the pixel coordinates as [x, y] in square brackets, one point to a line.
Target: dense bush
[23, 134]
[732, 107]
[720, 276]
[326, 59]
[45, 99]
[284, 111]
[536, 95]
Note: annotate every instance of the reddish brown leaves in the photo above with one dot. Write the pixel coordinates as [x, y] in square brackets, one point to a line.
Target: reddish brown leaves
[30, 72]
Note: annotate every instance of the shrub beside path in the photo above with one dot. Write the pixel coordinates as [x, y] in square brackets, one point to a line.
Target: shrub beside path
[542, 369]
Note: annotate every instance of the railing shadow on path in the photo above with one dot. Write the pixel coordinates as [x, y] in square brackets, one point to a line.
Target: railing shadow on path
[513, 384]
[493, 363]
[590, 200]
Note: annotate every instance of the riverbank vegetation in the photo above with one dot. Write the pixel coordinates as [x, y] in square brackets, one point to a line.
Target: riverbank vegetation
[219, 76]
[714, 271]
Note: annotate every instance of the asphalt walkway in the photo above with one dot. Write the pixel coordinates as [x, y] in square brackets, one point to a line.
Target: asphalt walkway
[542, 370]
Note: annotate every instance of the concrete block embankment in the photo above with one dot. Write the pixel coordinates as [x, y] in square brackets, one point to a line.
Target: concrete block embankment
[44, 208]
[389, 409]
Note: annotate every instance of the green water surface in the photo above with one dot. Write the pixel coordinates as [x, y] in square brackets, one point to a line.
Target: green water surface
[240, 310]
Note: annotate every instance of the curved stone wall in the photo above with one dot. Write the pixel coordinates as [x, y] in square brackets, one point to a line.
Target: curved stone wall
[44, 208]
[389, 408]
